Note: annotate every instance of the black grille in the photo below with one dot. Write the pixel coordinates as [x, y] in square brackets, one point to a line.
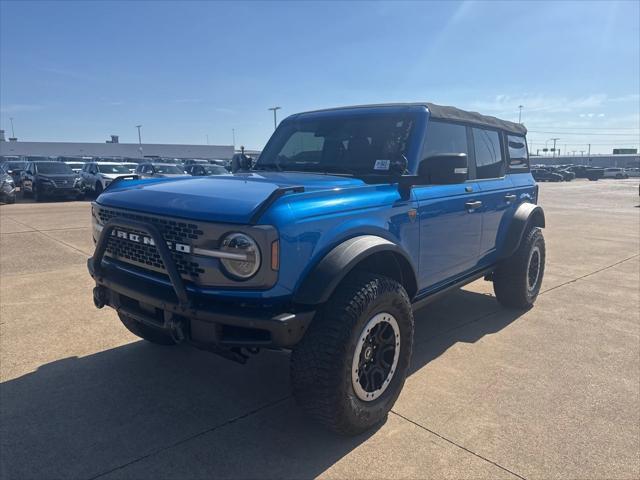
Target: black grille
[173, 231]
[62, 183]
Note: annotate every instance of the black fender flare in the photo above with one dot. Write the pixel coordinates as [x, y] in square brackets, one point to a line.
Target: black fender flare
[526, 215]
[322, 280]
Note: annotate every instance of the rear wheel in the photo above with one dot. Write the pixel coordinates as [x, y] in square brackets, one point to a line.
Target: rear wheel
[517, 280]
[350, 367]
[150, 334]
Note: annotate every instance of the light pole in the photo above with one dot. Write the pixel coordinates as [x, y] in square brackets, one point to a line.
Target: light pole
[233, 133]
[139, 139]
[13, 134]
[275, 122]
[554, 145]
[520, 107]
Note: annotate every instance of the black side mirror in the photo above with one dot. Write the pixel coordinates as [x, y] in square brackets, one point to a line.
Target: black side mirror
[444, 169]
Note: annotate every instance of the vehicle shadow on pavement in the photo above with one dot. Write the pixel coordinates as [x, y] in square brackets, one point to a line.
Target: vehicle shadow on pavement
[144, 411]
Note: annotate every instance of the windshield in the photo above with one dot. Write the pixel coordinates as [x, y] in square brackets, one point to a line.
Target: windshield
[113, 169]
[215, 170]
[168, 169]
[54, 167]
[356, 144]
[16, 165]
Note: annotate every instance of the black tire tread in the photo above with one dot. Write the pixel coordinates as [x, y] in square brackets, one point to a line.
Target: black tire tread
[510, 278]
[318, 359]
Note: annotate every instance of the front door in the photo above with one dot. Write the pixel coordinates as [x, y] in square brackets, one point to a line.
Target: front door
[450, 215]
[450, 231]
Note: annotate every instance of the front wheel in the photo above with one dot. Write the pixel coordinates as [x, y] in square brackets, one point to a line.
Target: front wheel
[98, 188]
[350, 367]
[37, 196]
[517, 280]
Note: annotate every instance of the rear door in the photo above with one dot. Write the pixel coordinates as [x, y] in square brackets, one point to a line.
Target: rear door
[497, 193]
[450, 223]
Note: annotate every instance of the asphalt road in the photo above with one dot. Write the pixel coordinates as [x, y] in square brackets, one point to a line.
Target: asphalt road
[550, 393]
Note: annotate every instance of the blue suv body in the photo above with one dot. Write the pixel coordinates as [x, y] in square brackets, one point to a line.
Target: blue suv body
[350, 218]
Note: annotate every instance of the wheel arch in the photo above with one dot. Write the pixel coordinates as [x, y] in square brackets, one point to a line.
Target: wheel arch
[366, 252]
[527, 215]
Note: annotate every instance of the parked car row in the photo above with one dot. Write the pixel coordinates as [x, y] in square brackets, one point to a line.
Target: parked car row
[546, 173]
[549, 173]
[41, 178]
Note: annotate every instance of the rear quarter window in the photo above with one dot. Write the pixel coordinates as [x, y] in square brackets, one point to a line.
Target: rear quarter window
[517, 153]
[488, 154]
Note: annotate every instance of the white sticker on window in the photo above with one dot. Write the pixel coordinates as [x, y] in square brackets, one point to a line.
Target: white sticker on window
[462, 170]
[382, 165]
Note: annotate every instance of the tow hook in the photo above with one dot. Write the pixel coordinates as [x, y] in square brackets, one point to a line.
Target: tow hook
[99, 297]
[176, 328]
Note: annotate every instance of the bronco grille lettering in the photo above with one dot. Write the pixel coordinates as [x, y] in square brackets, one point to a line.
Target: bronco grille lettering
[133, 237]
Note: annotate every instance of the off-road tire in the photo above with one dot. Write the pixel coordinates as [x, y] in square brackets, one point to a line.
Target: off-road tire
[511, 281]
[146, 332]
[98, 189]
[321, 364]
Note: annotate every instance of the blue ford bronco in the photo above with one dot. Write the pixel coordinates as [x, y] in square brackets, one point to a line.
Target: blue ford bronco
[350, 220]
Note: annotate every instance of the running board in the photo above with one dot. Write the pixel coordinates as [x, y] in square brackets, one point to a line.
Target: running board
[430, 297]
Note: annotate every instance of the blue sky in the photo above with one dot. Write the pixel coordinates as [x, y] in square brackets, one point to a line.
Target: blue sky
[79, 71]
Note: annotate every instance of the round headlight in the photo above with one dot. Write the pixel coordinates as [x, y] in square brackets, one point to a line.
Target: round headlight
[243, 259]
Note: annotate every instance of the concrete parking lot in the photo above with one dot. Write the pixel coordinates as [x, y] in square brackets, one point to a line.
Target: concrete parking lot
[493, 393]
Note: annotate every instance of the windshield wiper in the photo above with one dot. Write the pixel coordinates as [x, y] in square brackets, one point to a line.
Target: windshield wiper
[268, 166]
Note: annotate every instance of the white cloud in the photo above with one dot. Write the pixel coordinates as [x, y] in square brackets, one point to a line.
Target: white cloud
[20, 107]
[502, 104]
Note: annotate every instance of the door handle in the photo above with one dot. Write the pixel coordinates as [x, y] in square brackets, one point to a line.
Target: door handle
[473, 205]
[510, 198]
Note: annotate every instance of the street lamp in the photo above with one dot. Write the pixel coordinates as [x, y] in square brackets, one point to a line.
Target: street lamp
[13, 134]
[275, 122]
[520, 107]
[139, 139]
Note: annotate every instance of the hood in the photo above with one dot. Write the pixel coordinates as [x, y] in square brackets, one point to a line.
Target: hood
[171, 175]
[231, 199]
[113, 176]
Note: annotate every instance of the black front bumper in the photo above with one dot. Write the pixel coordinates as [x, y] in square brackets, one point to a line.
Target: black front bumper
[53, 191]
[204, 321]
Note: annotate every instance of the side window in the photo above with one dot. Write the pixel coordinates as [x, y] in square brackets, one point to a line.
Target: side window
[489, 163]
[445, 138]
[518, 155]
